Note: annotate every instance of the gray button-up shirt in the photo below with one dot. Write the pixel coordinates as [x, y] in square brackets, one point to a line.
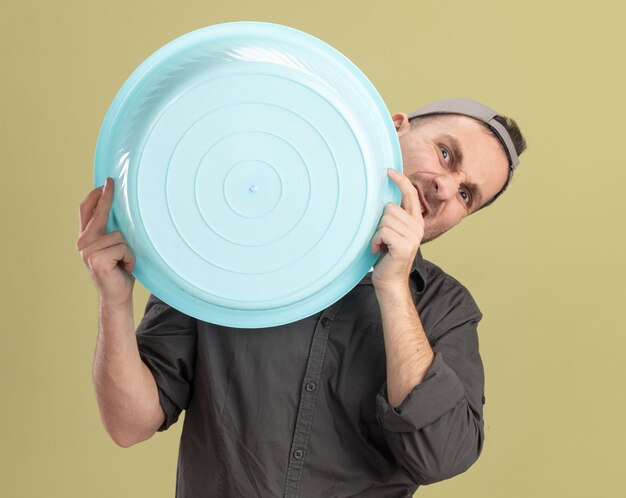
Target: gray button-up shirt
[301, 409]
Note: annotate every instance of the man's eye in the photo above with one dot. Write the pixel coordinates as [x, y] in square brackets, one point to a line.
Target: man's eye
[445, 154]
[467, 198]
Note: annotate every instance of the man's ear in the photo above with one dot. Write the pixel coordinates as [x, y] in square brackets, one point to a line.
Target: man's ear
[401, 122]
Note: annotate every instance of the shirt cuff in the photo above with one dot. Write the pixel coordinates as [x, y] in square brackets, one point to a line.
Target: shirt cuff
[170, 410]
[439, 392]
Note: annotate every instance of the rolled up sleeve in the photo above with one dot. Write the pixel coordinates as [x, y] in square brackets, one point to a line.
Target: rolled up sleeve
[437, 431]
[167, 341]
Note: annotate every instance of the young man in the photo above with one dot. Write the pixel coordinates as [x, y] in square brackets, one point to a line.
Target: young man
[373, 396]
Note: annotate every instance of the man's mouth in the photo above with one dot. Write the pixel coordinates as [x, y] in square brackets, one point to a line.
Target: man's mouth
[424, 205]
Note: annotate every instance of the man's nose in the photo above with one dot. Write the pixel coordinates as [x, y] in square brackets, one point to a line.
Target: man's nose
[446, 187]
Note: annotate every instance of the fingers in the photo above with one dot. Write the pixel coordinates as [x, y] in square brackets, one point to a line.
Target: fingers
[410, 199]
[399, 228]
[377, 243]
[87, 206]
[106, 260]
[396, 217]
[103, 242]
[399, 245]
[94, 212]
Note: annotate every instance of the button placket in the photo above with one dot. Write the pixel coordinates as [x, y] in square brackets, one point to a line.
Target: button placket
[306, 409]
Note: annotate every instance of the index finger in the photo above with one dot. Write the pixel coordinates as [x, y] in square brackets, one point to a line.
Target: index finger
[88, 205]
[410, 200]
[94, 222]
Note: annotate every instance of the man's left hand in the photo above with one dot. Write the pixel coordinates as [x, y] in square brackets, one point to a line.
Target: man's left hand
[398, 236]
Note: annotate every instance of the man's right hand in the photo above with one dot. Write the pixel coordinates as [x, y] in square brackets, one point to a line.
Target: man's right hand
[107, 256]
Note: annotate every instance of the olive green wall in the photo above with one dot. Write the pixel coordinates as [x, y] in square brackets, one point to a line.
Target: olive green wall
[545, 262]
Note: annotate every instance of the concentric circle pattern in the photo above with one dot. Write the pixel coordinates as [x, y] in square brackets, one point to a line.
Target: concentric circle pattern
[248, 182]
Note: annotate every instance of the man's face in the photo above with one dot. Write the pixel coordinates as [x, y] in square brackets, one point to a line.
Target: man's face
[455, 165]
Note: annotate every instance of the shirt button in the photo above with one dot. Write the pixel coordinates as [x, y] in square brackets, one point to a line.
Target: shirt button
[310, 386]
[325, 321]
[298, 454]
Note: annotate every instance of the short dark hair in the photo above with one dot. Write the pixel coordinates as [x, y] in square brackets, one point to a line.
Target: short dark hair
[519, 142]
[514, 132]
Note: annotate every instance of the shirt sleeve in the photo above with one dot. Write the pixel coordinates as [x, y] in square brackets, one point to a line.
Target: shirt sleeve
[437, 431]
[167, 341]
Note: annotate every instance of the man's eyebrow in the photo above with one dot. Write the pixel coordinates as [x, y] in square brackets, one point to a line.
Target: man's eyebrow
[457, 153]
